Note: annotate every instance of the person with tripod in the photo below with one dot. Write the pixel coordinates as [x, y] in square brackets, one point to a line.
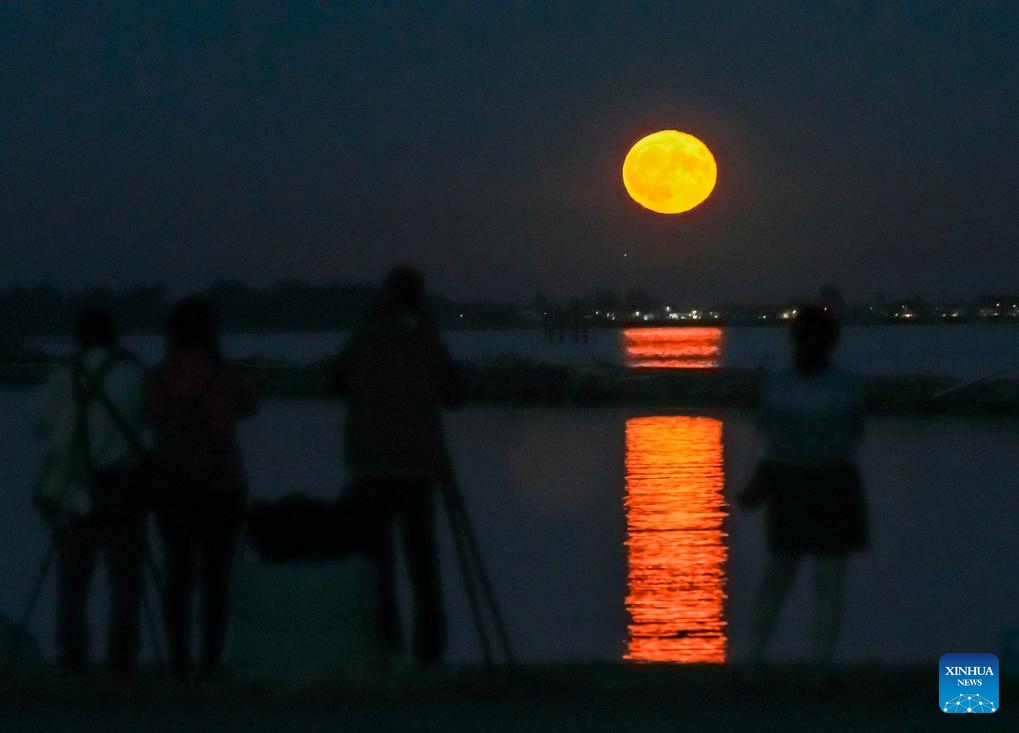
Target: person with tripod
[396, 374]
[93, 491]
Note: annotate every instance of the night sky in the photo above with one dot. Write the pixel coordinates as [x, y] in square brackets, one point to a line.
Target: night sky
[867, 145]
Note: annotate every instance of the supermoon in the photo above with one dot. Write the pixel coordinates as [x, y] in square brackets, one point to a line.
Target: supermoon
[669, 172]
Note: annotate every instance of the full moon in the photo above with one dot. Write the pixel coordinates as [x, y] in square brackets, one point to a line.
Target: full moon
[669, 172]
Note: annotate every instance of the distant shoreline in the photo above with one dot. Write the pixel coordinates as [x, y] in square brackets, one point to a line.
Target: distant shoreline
[617, 326]
[513, 380]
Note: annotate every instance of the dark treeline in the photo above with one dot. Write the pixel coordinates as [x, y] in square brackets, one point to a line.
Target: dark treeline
[44, 310]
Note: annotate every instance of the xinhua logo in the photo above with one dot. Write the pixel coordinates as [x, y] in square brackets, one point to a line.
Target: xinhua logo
[968, 683]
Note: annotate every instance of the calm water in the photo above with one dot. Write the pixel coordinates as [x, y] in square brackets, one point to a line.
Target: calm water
[608, 533]
[960, 351]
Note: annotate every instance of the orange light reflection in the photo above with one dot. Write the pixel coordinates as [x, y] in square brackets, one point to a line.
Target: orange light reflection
[672, 348]
[675, 543]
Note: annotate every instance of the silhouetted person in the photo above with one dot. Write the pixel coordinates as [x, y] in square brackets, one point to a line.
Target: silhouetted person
[193, 400]
[93, 492]
[812, 421]
[395, 374]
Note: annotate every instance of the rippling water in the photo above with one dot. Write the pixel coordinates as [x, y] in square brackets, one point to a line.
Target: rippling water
[961, 350]
[606, 534]
[675, 544]
[672, 348]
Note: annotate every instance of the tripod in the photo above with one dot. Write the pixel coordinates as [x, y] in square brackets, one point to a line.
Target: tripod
[45, 566]
[26, 616]
[150, 619]
[475, 575]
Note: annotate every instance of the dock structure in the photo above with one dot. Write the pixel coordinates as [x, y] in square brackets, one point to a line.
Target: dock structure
[558, 321]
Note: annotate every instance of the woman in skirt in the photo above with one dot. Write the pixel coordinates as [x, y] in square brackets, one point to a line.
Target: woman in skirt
[811, 420]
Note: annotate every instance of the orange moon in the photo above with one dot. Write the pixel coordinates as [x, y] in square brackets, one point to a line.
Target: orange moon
[669, 172]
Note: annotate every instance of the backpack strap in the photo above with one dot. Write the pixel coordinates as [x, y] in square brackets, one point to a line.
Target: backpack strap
[81, 405]
[89, 388]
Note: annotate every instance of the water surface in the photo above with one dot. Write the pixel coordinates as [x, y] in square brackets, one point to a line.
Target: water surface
[961, 351]
[608, 535]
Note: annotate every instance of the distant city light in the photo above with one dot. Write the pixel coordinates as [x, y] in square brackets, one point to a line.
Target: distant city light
[900, 311]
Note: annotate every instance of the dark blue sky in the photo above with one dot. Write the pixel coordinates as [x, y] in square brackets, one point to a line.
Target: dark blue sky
[872, 147]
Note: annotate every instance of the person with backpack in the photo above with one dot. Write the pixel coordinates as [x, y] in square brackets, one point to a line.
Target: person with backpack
[395, 375]
[193, 400]
[93, 490]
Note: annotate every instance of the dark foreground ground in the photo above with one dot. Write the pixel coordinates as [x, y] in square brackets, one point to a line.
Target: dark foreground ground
[574, 697]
